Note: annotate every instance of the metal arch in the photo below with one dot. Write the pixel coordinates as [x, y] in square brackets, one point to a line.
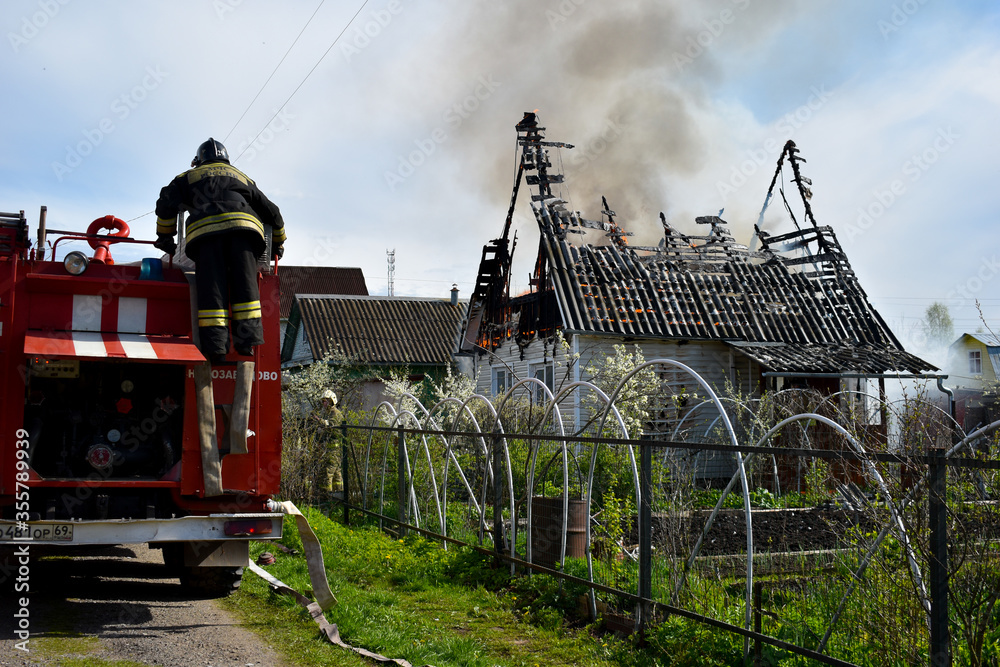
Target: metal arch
[687, 414]
[741, 404]
[737, 403]
[609, 407]
[739, 458]
[873, 471]
[385, 460]
[763, 426]
[896, 517]
[958, 447]
[498, 431]
[805, 429]
[875, 474]
[550, 406]
[488, 475]
[718, 505]
[849, 392]
[567, 390]
[677, 429]
[449, 455]
[427, 451]
[482, 437]
[553, 405]
[409, 469]
[449, 458]
[972, 437]
[385, 457]
[371, 435]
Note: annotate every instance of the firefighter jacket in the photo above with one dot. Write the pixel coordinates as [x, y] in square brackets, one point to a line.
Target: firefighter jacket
[219, 198]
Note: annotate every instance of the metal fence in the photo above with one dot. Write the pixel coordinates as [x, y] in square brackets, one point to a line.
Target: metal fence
[812, 533]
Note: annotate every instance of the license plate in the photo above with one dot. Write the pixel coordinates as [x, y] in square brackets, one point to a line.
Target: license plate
[61, 532]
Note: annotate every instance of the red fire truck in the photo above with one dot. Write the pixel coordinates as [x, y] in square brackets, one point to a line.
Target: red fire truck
[106, 407]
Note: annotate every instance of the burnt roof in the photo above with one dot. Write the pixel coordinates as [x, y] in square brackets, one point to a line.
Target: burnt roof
[379, 330]
[318, 280]
[711, 288]
[793, 305]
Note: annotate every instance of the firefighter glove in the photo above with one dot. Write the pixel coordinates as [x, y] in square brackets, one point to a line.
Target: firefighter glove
[165, 242]
[277, 251]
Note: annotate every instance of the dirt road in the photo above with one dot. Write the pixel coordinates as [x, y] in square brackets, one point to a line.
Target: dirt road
[120, 604]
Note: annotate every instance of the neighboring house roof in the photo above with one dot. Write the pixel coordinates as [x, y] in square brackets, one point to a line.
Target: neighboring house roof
[379, 330]
[986, 339]
[794, 305]
[318, 280]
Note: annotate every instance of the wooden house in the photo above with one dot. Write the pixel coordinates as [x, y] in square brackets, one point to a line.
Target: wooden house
[789, 311]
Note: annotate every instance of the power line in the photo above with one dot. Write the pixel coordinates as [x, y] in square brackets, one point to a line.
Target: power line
[306, 78]
[245, 111]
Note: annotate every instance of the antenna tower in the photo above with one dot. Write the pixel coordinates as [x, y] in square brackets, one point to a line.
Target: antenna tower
[390, 256]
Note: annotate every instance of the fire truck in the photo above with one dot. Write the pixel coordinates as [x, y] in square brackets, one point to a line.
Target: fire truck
[114, 429]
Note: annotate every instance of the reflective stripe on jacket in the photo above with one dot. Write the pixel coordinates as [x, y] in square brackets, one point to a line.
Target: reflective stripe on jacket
[219, 198]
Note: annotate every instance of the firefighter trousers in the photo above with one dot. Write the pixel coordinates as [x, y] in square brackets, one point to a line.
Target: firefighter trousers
[226, 270]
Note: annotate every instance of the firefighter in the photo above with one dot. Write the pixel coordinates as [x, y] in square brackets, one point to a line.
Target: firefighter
[329, 418]
[224, 236]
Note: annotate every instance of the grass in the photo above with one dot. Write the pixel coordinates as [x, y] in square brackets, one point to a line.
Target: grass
[406, 599]
[411, 599]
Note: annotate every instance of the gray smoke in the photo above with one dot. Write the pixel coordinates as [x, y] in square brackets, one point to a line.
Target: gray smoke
[623, 81]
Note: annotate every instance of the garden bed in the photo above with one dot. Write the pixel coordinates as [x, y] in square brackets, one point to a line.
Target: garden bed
[774, 530]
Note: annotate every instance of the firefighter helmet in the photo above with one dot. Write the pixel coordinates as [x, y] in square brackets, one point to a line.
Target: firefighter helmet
[210, 151]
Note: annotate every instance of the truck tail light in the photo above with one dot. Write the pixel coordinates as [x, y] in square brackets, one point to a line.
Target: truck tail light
[247, 527]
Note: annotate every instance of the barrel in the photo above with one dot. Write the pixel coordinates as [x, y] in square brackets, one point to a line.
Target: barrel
[547, 529]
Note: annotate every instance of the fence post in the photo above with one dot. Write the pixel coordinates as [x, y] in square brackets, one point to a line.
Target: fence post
[498, 537]
[403, 495]
[345, 470]
[938, 516]
[645, 533]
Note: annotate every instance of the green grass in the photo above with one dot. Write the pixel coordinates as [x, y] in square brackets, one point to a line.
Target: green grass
[411, 599]
[405, 599]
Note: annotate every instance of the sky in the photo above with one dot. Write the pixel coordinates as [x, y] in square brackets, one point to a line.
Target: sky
[388, 125]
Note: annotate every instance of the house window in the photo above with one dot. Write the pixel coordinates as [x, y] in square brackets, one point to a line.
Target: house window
[546, 373]
[503, 380]
[976, 362]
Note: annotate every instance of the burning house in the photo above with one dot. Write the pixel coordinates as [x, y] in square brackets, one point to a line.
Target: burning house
[787, 310]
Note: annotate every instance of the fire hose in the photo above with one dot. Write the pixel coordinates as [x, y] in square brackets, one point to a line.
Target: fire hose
[320, 586]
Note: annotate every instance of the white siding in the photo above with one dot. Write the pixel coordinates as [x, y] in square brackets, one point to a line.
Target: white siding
[509, 356]
[714, 361]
